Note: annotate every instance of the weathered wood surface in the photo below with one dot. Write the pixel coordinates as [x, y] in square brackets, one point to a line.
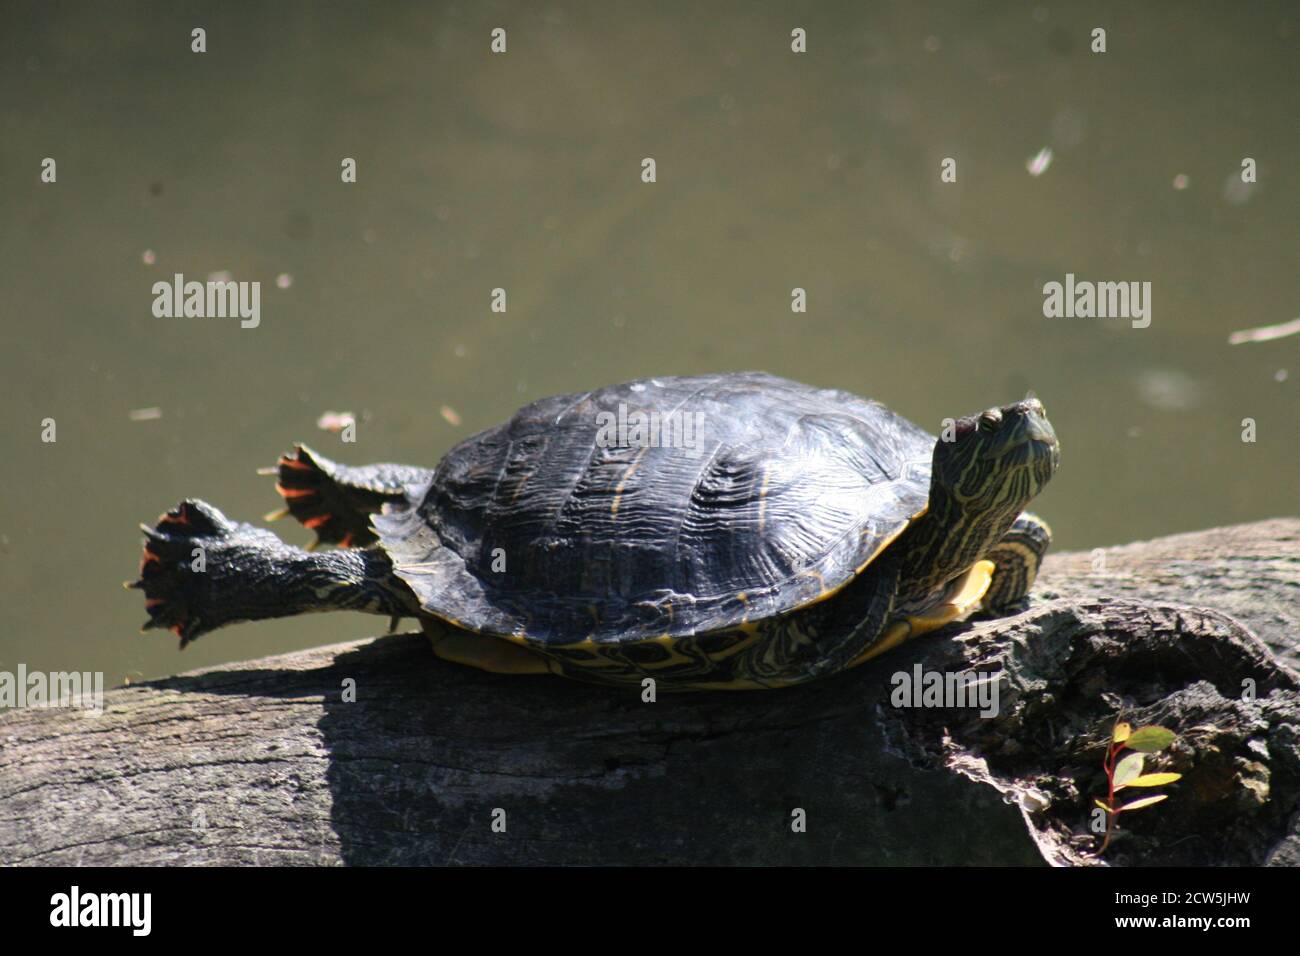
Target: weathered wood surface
[263, 762]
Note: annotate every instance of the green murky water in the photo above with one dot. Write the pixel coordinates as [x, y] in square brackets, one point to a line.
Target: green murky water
[522, 171]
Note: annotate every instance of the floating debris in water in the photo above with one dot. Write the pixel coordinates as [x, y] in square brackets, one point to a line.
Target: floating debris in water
[144, 414]
[222, 276]
[335, 421]
[1169, 390]
[1182, 181]
[1265, 333]
[451, 416]
[284, 280]
[1279, 375]
[1037, 165]
[148, 258]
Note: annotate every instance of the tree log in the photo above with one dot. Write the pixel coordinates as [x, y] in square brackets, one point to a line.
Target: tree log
[265, 762]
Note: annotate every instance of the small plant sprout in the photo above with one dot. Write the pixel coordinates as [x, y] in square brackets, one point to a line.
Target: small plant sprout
[1126, 771]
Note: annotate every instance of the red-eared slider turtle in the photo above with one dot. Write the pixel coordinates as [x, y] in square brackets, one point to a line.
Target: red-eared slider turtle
[720, 531]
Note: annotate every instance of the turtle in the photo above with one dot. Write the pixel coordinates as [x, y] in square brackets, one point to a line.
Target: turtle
[729, 531]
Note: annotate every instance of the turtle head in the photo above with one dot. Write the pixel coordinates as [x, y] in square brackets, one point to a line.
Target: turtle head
[984, 471]
[998, 460]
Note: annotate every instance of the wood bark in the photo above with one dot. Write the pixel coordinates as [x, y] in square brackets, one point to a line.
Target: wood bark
[267, 762]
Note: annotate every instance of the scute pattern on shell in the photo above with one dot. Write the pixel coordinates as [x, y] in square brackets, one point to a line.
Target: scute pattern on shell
[788, 491]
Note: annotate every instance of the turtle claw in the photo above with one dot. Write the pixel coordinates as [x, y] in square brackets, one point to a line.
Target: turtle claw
[172, 589]
[322, 501]
[196, 517]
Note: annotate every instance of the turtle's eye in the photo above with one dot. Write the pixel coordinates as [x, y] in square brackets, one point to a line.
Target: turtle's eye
[990, 420]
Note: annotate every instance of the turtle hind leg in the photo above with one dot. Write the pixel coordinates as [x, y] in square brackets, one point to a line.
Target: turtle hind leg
[486, 653]
[178, 541]
[336, 501]
[201, 571]
[1017, 558]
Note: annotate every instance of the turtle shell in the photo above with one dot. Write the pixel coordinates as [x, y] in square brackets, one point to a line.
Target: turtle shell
[753, 496]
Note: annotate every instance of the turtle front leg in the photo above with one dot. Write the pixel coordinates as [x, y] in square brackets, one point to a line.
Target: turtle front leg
[999, 583]
[336, 501]
[961, 598]
[1016, 559]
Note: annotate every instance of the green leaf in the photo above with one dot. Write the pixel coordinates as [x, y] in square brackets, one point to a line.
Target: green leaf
[1103, 804]
[1152, 780]
[1150, 739]
[1121, 733]
[1144, 802]
[1130, 768]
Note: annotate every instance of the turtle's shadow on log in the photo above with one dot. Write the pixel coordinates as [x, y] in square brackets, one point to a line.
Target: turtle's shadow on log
[451, 765]
[428, 756]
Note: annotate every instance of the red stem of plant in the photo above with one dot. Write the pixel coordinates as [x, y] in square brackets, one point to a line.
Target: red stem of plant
[1109, 766]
